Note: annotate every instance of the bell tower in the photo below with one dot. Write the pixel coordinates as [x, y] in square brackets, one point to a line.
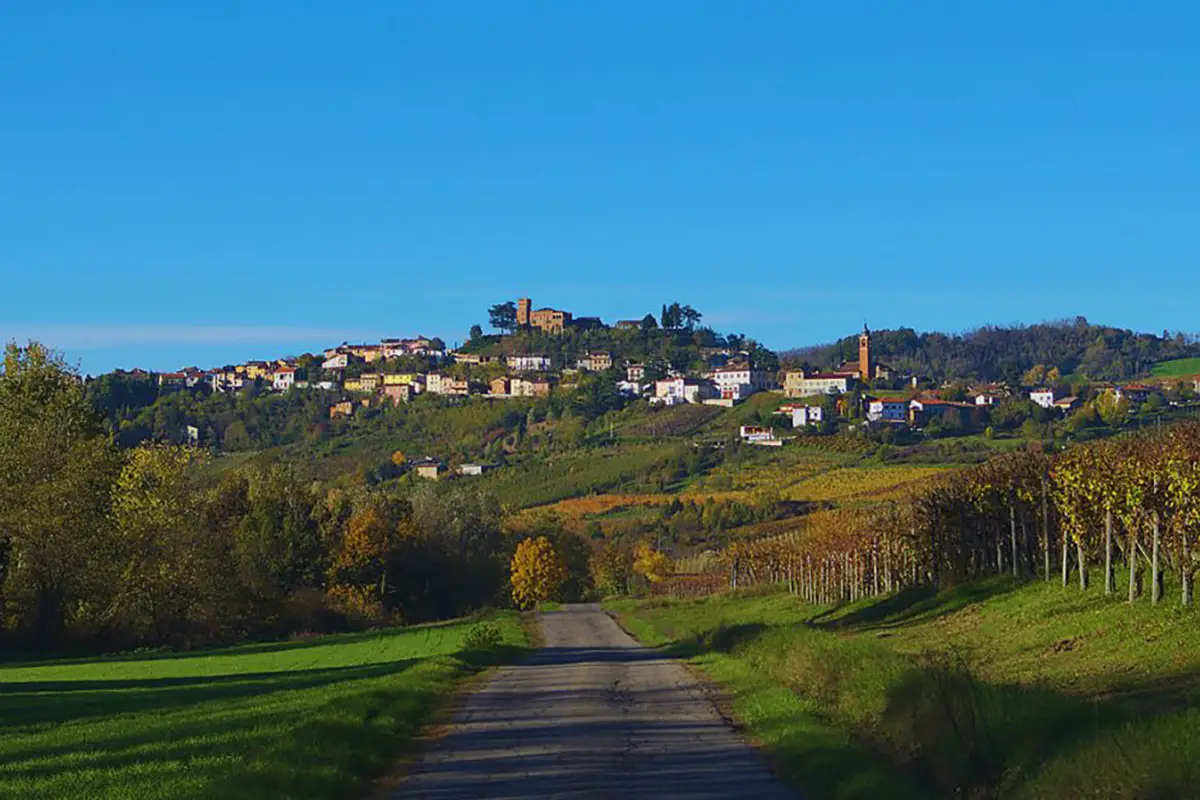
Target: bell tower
[866, 368]
[524, 306]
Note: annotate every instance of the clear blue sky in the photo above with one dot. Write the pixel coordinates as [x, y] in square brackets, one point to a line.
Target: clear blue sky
[232, 180]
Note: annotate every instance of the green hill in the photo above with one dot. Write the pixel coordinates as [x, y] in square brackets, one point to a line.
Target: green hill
[990, 689]
[1177, 368]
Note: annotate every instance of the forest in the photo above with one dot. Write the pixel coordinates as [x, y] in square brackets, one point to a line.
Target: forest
[1094, 352]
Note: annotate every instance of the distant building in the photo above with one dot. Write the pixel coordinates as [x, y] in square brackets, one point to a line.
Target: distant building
[922, 410]
[755, 433]
[398, 392]
[1136, 394]
[342, 409]
[528, 363]
[498, 387]
[1043, 397]
[1067, 404]
[534, 387]
[548, 320]
[336, 361]
[799, 383]
[595, 362]
[628, 324]
[476, 469]
[888, 409]
[446, 385]
[676, 391]
[283, 378]
[635, 372]
[738, 382]
[429, 468]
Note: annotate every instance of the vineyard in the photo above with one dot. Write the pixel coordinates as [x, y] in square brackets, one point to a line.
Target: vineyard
[864, 483]
[1130, 504]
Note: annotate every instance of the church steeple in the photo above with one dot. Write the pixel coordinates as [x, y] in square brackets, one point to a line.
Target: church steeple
[866, 367]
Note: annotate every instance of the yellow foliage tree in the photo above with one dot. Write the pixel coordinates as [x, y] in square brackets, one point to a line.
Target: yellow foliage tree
[653, 565]
[537, 572]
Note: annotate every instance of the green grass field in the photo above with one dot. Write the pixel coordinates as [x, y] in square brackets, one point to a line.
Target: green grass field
[1178, 368]
[990, 689]
[311, 719]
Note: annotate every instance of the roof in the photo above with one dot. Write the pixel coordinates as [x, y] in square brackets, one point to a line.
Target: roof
[820, 376]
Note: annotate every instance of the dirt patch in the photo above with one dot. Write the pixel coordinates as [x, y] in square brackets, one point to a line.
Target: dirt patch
[1064, 646]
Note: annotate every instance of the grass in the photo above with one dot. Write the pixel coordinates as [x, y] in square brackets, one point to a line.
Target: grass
[988, 689]
[311, 719]
[1178, 368]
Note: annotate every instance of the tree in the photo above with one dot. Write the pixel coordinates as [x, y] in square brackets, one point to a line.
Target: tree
[503, 316]
[649, 323]
[653, 565]
[1112, 409]
[56, 472]
[476, 332]
[537, 572]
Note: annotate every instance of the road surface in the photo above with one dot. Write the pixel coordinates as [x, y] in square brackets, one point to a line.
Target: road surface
[593, 714]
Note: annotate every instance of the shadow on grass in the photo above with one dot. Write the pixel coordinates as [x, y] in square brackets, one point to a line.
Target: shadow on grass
[914, 605]
[929, 717]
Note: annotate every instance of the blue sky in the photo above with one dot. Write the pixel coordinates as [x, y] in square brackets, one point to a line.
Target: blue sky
[199, 185]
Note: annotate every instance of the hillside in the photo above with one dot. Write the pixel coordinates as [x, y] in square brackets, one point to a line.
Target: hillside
[989, 689]
[1094, 352]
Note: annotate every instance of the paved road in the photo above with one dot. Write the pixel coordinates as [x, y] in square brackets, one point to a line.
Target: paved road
[591, 715]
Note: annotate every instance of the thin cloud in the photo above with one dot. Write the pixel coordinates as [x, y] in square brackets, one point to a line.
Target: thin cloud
[87, 337]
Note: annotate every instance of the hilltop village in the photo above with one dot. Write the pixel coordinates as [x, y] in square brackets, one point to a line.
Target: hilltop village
[667, 360]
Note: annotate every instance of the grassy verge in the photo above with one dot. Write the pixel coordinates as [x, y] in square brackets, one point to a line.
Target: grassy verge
[986, 690]
[312, 719]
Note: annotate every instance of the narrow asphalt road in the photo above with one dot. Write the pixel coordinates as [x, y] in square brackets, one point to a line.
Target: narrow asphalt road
[593, 714]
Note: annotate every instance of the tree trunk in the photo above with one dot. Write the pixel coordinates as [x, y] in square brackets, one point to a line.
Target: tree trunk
[1045, 529]
[1066, 560]
[1012, 537]
[1185, 572]
[1083, 576]
[1110, 584]
[1132, 566]
[1155, 574]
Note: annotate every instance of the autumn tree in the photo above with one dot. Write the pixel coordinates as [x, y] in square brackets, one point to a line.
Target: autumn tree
[653, 565]
[537, 572]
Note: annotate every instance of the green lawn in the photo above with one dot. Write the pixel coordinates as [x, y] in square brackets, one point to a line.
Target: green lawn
[1178, 368]
[990, 689]
[319, 718]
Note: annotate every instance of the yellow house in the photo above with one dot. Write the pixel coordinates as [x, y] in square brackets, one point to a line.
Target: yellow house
[353, 386]
[399, 380]
[370, 383]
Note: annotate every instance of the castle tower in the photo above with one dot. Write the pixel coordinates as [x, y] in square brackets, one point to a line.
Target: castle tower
[524, 306]
[866, 367]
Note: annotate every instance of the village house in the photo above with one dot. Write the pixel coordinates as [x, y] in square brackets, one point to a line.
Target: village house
[336, 361]
[398, 392]
[799, 383]
[172, 380]
[370, 381]
[676, 391]
[888, 409]
[429, 468]
[740, 381]
[254, 370]
[1043, 397]
[755, 433]
[1135, 393]
[476, 469]
[528, 363]
[352, 385]
[534, 387]
[628, 324]
[596, 362]
[420, 346]
[922, 410]
[802, 415]
[629, 388]
[342, 409]
[1066, 404]
[283, 378]
[446, 385]
[635, 372]
[986, 399]
[498, 387]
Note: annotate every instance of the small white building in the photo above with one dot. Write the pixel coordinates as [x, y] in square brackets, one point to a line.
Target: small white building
[887, 409]
[528, 363]
[629, 388]
[283, 378]
[476, 469]
[1043, 397]
[635, 372]
[338, 361]
[676, 391]
[986, 399]
[738, 383]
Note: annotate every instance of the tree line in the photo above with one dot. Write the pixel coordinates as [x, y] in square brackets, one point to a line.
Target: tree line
[103, 547]
[1130, 503]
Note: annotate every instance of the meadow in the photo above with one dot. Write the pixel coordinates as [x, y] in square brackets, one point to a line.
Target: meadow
[987, 689]
[1178, 368]
[306, 719]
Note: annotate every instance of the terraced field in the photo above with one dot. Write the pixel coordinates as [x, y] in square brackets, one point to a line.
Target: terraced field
[859, 483]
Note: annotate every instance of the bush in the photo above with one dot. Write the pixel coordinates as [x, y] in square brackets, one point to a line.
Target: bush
[483, 636]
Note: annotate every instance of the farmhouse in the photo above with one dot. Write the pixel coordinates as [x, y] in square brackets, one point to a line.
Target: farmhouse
[800, 383]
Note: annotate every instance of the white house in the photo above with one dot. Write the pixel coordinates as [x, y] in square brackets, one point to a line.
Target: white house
[476, 469]
[887, 409]
[737, 383]
[528, 363]
[338, 361]
[629, 388]
[756, 433]
[283, 378]
[635, 372]
[986, 399]
[1043, 397]
[676, 391]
